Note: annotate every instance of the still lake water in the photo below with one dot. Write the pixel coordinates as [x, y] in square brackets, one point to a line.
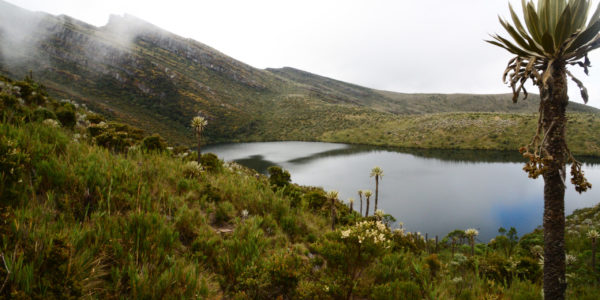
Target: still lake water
[430, 191]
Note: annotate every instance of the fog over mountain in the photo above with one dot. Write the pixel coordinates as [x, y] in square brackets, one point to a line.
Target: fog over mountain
[138, 73]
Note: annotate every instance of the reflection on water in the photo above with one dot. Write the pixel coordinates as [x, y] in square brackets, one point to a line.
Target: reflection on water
[433, 191]
[256, 162]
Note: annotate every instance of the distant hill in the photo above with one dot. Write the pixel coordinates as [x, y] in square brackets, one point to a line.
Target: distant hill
[400, 103]
[138, 73]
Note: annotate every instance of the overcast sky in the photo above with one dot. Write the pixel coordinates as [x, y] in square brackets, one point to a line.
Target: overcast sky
[405, 46]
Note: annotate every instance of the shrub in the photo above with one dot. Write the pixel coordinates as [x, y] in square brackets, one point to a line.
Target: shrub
[95, 118]
[192, 169]
[276, 276]
[51, 123]
[41, 114]
[207, 244]
[393, 266]
[97, 129]
[496, 268]
[8, 101]
[535, 238]
[211, 163]
[66, 116]
[31, 92]
[434, 264]
[350, 251]
[13, 168]
[240, 252]
[268, 224]
[289, 226]
[224, 212]
[278, 177]
[524, 290]
[154, 143]
[406, 290]
[529, 269]
[186, 224]
[211, 193]
[115, 141]
[315, 199]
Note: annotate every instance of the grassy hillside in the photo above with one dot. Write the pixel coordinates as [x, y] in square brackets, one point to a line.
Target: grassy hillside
[98, 210]
[134, 72]
[400, 103]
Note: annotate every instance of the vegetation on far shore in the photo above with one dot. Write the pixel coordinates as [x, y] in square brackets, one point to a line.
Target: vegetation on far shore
[484, 131]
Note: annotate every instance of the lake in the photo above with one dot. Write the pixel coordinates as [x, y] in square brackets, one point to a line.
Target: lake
[430, 191]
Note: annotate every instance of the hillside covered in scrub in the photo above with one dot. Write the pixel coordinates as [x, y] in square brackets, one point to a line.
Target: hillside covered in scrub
[97, 209]
[141, 75]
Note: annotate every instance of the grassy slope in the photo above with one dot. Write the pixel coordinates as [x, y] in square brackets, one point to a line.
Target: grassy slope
[79, 220]
[400, 103]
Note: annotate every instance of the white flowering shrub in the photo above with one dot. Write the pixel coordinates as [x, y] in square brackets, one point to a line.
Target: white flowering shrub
[192, 169]
[371, 232]
[51, 123]
[349, 251]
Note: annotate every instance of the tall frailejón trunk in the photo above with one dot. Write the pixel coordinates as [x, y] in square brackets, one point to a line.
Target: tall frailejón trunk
[367, 208]
[553, 104]
[376, 191]
[594, 257]
[332, 214]
[361, 204]
[199, 147]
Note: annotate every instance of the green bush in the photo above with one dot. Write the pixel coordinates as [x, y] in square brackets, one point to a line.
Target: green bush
[524, 290]
[407, 290]
[496, 268]
[118, 141]
[289, 225]
[349, 251]
[278, 177]
[529, 269]
[207, 245]
[315, 199]
[41, 114]
[95, 118]
[13, 168]
[154, 143]
[192, 169]
[32, 92]
[393, 266]
[186, 224]
[274, 276]
[240, 253]
[433, 264]
[224, 212]
[8, 101]
[535, 238]
[211, 163]
[66, 116]
[97, 129]
[268, 224]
